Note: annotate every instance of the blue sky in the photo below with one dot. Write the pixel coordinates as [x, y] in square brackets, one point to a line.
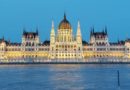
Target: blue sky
[17, 14]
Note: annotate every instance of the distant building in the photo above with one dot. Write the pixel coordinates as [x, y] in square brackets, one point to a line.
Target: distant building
[64, 45]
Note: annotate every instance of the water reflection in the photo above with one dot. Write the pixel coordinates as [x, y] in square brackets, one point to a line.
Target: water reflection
[66, 77]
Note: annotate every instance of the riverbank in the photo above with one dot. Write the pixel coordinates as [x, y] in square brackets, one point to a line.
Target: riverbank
[67, 61]
[27, 63]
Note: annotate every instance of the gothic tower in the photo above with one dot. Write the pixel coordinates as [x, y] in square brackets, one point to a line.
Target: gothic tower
[52, 42]
[79, 42]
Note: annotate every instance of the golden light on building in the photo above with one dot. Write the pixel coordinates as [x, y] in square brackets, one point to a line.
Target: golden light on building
[64, 44]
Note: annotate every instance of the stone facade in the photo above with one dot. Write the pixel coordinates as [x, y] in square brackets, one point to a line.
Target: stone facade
[64, 45]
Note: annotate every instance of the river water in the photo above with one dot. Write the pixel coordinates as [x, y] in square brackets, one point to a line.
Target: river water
[64, 77]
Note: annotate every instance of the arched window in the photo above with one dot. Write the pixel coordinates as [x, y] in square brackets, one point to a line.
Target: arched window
[79, 48]
[52, 48]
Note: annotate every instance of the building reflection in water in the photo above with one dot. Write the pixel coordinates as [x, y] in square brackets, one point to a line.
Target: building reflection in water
[66, 77]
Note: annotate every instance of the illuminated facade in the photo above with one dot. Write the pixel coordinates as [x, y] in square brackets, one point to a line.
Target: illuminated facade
[64, 45]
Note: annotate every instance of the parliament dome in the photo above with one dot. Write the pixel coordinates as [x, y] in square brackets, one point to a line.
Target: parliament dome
[64, 24]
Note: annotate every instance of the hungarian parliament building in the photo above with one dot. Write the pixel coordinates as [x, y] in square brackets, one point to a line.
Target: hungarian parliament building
[64, 45]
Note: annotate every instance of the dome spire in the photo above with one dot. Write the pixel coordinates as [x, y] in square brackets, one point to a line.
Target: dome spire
[64, 16]
[64, 24]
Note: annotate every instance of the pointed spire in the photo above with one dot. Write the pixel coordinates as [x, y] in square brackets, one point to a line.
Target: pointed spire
[9, 40]
[3, 38]
[52, 24]
[106, 29]
[79, 36]
[103, 31]
[64, 16]
[93, 30]
[78, 24]
[37, 30]
[118, 40]
[24, 30]
[78, 29]
[52, 30]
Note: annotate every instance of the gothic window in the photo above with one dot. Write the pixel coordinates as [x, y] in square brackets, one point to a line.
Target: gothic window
[29, 43]
[71, 46]
[56, 46]
[79, 48]
[52, 48]
[64, 38]
[68, 46]
[33, 44]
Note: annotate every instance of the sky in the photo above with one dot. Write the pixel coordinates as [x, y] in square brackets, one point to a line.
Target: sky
[31, 14]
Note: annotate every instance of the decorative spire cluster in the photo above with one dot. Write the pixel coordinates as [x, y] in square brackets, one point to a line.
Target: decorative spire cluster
[104, 31]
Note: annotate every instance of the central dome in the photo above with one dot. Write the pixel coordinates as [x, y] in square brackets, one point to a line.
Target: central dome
[64, 24]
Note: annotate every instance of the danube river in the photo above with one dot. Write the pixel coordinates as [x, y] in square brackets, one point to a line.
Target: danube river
[64, 77]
